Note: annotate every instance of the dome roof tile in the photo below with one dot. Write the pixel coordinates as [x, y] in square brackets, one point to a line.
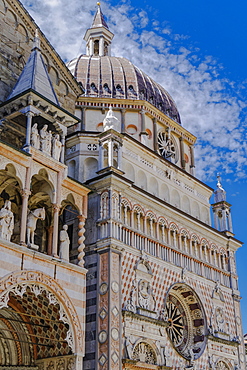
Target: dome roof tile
[114, 77]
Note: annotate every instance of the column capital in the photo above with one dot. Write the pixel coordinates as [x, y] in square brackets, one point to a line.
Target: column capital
[25, 193]
[56, 207]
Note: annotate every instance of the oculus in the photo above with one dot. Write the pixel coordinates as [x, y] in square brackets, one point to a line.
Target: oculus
[186, 321]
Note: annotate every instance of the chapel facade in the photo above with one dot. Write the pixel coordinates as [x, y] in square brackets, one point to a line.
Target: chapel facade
[97, 167]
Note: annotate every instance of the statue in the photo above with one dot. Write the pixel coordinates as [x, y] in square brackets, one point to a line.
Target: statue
[35, 141]
[48, 142]
[110, 121]
[64, 244]
[43, 138]
[6, 221]
[56, 147]
[32, 219]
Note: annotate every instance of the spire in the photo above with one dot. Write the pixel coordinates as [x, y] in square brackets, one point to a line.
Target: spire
[99, 20]
[221, 209]
[98, 37]
[35, 75]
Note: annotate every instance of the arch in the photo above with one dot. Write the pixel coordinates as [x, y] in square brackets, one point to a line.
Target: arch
[173, 227]
[63, 88]
[186, 204]
[205, 215]
[223, 365]
[195, 210]
[153, 186]
[146, 351]
[129, 171]
[165, 193]
[22, 34]
[37, 282]
[141, 180]
[11, 17]
[175, 198]
[54, 76]
[71, 168]
[2, 7]
[151, 215]
[90, 168]
[162, 221]
[10, 191]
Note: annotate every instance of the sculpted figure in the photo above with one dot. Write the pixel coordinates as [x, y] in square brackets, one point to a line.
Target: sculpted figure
[43, 138]
[110, 121]
[35, 142]
[32, 219]
[64, 244]
[6, 221]
[56, 147]
[48, 143]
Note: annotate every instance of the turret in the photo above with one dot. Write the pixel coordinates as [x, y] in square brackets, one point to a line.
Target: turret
[221, 209]
[98, 37]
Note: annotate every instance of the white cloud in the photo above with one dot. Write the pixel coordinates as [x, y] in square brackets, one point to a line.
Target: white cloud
[208, 104]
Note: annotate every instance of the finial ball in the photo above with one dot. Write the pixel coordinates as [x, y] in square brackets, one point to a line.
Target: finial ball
[98, 3]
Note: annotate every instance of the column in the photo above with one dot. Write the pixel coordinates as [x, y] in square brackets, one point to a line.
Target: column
[49, 242]
[101, 46]
[91, 47]
[83, 119]
[143, 127]
[81, 239]
[181, 140]
[123, 111]
[63, 148]
[28, 130]
[110, 153]
[25, 194]
[155, 143]
[230, 221]
[56, 209]
[119, 156]
[101, 156]
[192, 166]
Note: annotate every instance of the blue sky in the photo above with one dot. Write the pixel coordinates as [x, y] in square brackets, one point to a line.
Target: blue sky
[197, 51]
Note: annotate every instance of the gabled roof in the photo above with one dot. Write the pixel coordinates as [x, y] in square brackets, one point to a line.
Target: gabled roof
[99, 20]
[35, 76]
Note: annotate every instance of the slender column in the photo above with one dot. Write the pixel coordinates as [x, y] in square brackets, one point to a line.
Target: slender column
[110, 153]
[63, 148]
[183, 163]
[123, 111]
[230, 221]
[143, 132]
[56, 208]
[155, 143]
[91, 47]
[101, 156]
[81, 239]
[28, 131]
[25, 194]
[119, 156]
[192, 166]
[49, 242]
[83, 119]
[132, 219]
[101, 46]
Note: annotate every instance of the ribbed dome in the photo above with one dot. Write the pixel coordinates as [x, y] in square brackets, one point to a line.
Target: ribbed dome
[113, 77]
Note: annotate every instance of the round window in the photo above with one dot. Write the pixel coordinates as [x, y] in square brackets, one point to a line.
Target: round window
[186, 321]
[167, 147]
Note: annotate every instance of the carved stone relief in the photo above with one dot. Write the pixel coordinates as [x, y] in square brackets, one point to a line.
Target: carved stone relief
[17, 283]
[143, 352]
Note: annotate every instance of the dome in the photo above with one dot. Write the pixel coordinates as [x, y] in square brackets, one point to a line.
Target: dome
[114, 77]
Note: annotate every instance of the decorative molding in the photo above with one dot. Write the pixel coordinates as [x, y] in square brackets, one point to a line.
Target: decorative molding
[18, 282]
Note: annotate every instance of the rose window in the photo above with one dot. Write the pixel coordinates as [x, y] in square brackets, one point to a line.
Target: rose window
[167, 147]
[186, 321]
